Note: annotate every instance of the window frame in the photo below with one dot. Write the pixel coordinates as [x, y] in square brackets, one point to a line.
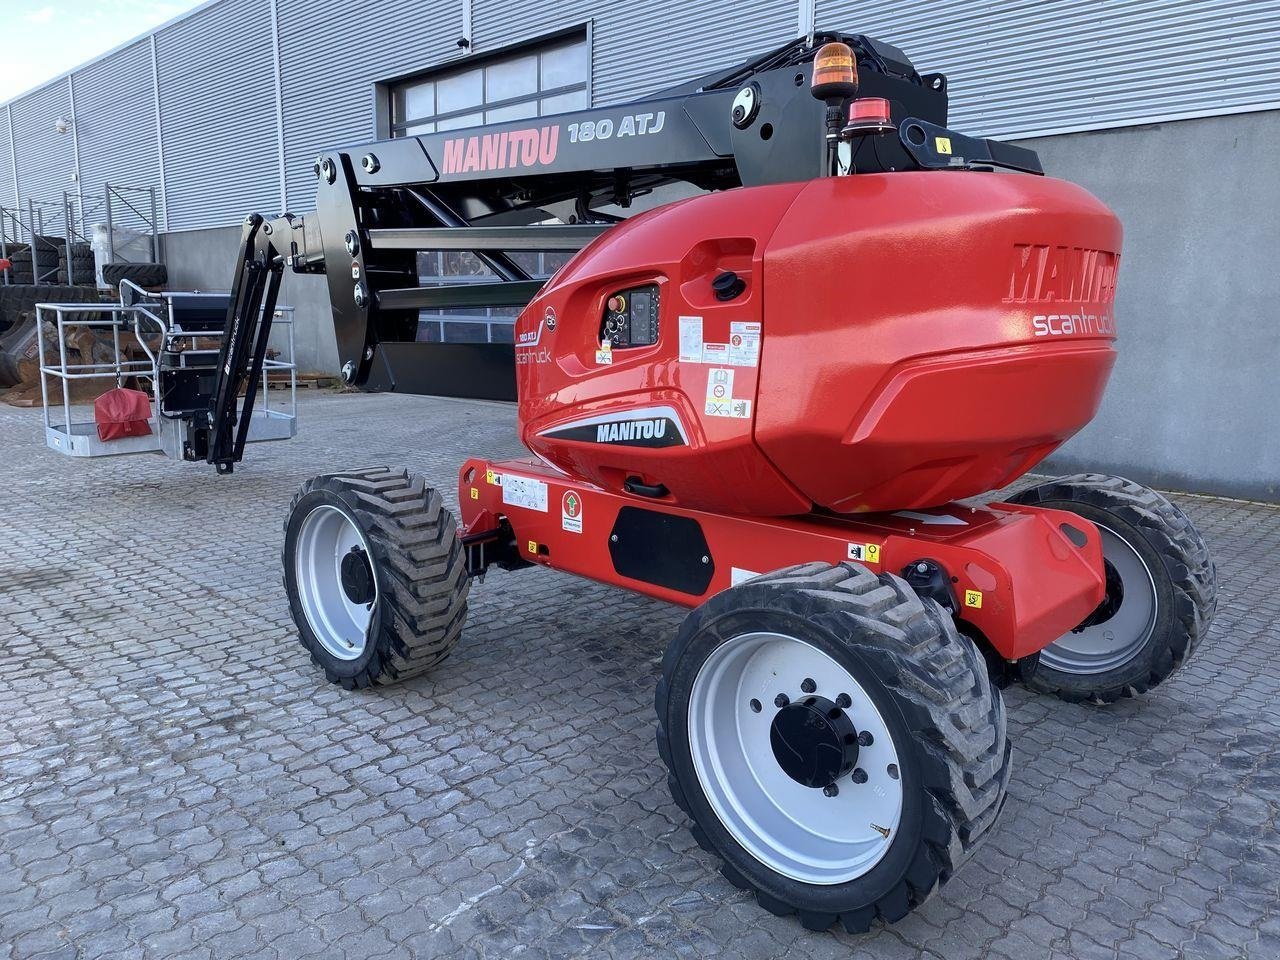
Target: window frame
[389, 125]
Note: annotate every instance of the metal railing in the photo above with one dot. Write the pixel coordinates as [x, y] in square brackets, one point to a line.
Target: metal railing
[31, 222]
[150, 318]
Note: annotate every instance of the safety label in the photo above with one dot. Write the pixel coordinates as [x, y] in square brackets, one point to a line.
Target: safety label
[720, 399]
[571, 511]
[691, 339]
[715, 353]
[605, 353]
[738, 575]
[742, 349]
[973, 599]
[493, 479]
[524, 492]
[744, 344]
[865, 552]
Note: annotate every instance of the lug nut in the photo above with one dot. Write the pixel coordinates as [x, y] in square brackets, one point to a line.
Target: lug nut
[865, 739]
[807, 685]
[858, 776]
[755, 706]
[361, 295]
[844, 702]
[370, 163]
[349, 371]
[830, 790]
[781, 700]
[328, 170]
[352, 242]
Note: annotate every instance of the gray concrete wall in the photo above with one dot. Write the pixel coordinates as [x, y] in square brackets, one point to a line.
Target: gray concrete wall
[205, 260]
[1194, 402]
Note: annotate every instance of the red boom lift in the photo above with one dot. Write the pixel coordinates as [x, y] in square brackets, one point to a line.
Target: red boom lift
[773, 403]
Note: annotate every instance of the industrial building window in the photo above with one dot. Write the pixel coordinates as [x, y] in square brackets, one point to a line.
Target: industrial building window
[530, 82]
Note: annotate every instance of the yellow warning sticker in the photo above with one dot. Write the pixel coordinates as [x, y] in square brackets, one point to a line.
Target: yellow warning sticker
[943, 145]
[533, 546]
[865, 552]
[973, 598]
[493, 479]
[475, 494]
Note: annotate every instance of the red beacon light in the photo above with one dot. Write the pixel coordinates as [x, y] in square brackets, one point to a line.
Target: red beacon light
[870, 115]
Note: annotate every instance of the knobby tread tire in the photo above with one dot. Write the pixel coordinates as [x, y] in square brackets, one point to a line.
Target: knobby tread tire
[1184, 559]
[143, 274]
[420, 567]
[953, 720]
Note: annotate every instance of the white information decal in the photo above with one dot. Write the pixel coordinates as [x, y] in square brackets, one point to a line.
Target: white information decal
[715, 353]
[720, 401]
[737, 575]
[691, 339]
[524, 492]
[605, 353]
[744, 344]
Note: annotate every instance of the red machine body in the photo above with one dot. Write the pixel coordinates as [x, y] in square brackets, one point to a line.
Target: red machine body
[750, 379]
[900, 341]
[1020, 576]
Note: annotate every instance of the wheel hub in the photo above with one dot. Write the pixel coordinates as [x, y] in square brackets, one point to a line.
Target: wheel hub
[814, 741]
[357, 576]
[1110, 603]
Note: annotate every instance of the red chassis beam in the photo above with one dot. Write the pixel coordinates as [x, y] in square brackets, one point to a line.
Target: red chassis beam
[1023, 576]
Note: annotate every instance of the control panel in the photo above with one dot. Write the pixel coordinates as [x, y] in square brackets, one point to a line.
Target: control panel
[631, 318]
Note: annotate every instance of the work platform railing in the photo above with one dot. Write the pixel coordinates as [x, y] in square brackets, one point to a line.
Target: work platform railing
[150, 319]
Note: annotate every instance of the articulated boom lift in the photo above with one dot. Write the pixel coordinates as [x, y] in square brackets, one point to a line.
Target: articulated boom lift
[763, 402]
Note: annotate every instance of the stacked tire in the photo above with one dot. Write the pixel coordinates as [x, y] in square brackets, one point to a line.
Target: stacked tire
[83, 265]
[51, 253]
[143, 274]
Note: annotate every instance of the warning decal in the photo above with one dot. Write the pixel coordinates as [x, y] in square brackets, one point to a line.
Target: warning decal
[973, 598]
[865, 552]
[720, 400]
[571, 511]
[691, 339]
[744, 344]
[742, 349]
[524, 492]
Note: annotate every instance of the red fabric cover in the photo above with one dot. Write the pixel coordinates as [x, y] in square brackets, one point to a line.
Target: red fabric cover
[122, 413]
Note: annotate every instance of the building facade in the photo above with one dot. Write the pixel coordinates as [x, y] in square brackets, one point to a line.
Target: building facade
[1169, 111]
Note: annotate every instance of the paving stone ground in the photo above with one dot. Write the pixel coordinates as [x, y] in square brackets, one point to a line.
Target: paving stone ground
[176, 780]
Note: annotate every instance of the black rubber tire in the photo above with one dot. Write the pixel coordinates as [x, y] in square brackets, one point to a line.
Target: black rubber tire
[929, 683]
[143, 274]
[1181, 568]
[419, 563]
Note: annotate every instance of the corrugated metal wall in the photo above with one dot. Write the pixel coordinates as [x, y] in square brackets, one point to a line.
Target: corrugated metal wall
[1018, 68]
[46, 158]
[330, 61]
[218, 115]
[638, 46]
[1025, 68]
[6, 160]
[116, 124]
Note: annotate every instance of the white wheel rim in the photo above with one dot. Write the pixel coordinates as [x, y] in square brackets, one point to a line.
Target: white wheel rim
[796, 830]
[1115, 641]
[342, 626]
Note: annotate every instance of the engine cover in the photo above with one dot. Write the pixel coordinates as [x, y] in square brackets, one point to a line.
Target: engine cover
[866, 343]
